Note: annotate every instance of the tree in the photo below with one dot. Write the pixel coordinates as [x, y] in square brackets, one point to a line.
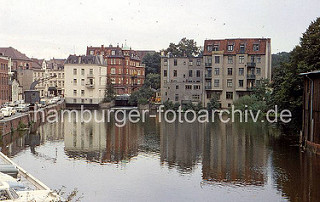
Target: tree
[141, 96]
[152, 81]
[287, 83]
[213, 104]
[186, 47]
[152, 62]
[109, 92]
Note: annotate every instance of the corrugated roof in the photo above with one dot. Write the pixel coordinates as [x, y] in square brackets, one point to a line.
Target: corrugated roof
[308, 73]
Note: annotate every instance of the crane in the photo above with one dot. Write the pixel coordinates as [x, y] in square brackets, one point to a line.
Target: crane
[36, 82]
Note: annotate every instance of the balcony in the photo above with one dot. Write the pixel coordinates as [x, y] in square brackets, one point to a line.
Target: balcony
[208, 76]
[90, 85]
[208, 87]
[251, 76]
[208, 64]
[90, 75]
[251, 64]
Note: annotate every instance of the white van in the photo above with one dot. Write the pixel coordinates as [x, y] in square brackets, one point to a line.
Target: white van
[7, 111]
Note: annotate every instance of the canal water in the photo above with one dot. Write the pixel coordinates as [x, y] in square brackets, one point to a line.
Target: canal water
[158, 161]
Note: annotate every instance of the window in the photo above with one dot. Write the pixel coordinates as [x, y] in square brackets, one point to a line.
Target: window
[209, 48]
[198, 62]
[196, 87]
[252, 58]
[74, 71]
[198, 73]
[82, 92]
[190, 73]
[113, 52]
[74, 82]
[175, 62]
[165, 61]
[229, 95]
[217, 59]
[113, 71]
[229, 71]
[241, 71]
[165, 73]
[229, 83]
[230, 59]
[216, 71]
[241, 59]
[258, 59]
[195, 97]
[216, 83]
[82, 82]
[240, 83]
[216, 47]
[255, 47]
[74, 92]
[242, 48]
[175, 73]
[208, 95]
[190, 62]
[258, 71]
[176, 97]
[91, 71]
[113, 80]
[177, 86]
[82, 72]
[230, 47]
[188, 87]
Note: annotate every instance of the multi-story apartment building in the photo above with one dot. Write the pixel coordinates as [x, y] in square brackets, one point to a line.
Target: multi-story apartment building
[5, 92]
[53, 69]
[182, 79]
[125, 70]
[85, 79]
[234, 66]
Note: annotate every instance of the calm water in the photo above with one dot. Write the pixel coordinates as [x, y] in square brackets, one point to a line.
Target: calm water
[169, 162]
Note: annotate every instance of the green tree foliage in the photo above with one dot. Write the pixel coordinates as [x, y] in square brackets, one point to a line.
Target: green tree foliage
[141, 96]
[250, 103]
[186, 47]
[109, 92]
[279, 58]
[287, 84]
[152, 81]
[152, 62]
[213, 104]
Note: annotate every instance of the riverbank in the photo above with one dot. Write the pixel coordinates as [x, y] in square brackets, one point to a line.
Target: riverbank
[28, 120]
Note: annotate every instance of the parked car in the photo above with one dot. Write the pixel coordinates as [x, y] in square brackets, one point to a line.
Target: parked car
[1, 115]
[22, 108]
[7, 111]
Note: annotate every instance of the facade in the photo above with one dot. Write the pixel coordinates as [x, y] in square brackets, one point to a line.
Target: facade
[311, 111]
[85, 80]
[5, 92]
[45, 69]
[182, 80]
[234, 66]
[125, 70]
[18, 59]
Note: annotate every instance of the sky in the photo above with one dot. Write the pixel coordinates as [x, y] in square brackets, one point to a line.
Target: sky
[47, 29]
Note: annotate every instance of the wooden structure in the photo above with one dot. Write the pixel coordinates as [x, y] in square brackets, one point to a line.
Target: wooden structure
[311, 111]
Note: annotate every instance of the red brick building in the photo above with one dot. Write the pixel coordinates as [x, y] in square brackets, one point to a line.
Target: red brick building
[125, 70]
[4, 80]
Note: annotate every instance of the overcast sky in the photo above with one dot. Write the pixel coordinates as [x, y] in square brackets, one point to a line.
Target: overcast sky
[46, 29]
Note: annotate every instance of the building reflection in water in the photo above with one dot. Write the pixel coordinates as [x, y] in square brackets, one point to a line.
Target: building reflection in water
[106, 143]
[238, 154]
[234, 153]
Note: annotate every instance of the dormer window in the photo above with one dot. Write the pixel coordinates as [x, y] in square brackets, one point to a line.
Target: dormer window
[255, 47]
[113, 52]
[242, 48]
[230, 47]
[216, 47]
[209, 48]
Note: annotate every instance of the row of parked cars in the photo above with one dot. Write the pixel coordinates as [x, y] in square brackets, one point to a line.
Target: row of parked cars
[11, 108]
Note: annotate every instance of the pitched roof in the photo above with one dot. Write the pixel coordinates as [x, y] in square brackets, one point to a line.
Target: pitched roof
[36, 63]
[13, 54]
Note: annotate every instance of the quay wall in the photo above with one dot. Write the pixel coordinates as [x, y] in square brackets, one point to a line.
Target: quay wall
[35, 117]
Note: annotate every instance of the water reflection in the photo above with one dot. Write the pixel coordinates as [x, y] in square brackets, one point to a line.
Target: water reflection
[234, 154]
